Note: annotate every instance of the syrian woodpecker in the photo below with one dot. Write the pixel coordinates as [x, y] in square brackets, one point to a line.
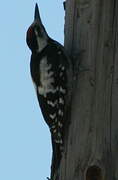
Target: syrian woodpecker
[49, 68]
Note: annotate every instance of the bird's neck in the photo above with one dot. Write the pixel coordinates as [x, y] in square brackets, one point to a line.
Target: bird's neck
[42, 43]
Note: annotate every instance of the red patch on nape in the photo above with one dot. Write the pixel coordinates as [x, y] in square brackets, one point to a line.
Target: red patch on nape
[30, 32]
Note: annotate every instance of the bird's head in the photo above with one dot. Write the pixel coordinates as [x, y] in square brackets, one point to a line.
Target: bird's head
[37, 36]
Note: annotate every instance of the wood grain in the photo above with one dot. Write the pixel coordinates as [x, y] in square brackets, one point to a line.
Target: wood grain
[91, 27]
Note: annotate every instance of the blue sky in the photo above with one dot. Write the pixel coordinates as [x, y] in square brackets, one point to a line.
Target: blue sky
[25, 147]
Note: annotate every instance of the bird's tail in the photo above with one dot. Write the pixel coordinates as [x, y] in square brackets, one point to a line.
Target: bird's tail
[56, 157]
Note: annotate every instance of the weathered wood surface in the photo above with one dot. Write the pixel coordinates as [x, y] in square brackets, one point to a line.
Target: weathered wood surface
[91, 151]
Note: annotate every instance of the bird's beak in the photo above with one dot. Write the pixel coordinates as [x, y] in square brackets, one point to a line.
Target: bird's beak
[37, 15]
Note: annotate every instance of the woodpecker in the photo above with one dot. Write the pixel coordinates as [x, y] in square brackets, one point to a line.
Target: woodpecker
[49, 71]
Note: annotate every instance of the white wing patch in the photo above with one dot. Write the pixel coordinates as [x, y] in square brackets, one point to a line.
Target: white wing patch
[61, 101]
[53, 104]
[60, 112]
[60, 124]
[59, 141]
[63, 91]
[46, 78]
[53, 116]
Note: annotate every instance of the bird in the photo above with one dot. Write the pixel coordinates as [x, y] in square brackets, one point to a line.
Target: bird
[49, 67]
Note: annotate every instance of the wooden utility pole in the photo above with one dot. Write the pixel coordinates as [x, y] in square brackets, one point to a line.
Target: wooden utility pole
[91, 38]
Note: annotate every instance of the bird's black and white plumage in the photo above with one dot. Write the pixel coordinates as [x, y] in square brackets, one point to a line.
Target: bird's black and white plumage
[49, 66]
